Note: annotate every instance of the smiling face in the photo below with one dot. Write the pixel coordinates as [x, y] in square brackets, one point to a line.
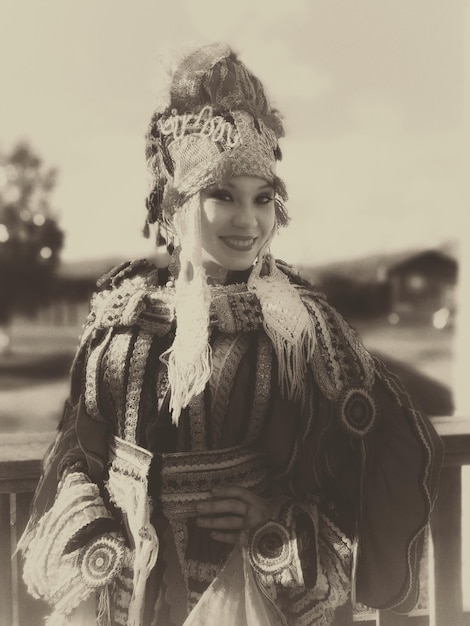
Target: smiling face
[237, 218]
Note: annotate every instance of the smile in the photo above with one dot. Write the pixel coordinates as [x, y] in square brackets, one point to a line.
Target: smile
[242, 244]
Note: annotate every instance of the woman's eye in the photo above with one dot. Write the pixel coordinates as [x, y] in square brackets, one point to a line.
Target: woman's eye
[220, 194]
[264, 198]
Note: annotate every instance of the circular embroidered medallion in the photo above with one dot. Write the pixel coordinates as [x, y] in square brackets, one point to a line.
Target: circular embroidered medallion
[270, 548]
[101, 561]
[358, 412]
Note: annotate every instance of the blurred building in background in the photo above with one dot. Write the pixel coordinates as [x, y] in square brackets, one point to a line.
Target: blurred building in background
[424, 286]
[417, 286]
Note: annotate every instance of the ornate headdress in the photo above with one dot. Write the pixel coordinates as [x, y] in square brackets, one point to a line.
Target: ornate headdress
[215, 123]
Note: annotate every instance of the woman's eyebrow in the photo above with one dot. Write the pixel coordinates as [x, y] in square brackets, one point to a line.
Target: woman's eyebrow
[265, 187]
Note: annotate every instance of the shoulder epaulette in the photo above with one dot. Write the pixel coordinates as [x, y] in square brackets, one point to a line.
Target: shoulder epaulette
[128, 269]
[123, 294]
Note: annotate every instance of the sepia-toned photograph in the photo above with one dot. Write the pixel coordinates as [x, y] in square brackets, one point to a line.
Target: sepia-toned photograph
[234, 313]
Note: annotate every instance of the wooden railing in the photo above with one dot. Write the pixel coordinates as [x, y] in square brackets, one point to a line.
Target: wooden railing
[20, 466]
[20, 457]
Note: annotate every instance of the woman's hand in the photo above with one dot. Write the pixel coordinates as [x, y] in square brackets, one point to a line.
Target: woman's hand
[232, 511]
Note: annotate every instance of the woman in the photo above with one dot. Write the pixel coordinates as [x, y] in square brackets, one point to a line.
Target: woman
[229, 449]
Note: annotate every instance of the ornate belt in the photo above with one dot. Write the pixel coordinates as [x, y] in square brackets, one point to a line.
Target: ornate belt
[187, 478]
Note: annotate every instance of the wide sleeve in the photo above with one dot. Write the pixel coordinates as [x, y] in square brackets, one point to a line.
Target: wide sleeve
[73, 545]
[387, 457]
[359, 486]
[402, 456]
[360, 465]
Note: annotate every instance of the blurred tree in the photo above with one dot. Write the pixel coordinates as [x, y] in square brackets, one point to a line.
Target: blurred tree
[30, 237]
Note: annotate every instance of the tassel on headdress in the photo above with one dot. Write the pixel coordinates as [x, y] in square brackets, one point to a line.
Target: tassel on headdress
[189, 357]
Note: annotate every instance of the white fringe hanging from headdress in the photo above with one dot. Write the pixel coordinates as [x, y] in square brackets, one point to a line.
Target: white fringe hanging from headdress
[287, 323]
[189, 358]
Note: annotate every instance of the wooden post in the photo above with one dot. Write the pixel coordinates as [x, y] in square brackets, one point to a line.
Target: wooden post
[462, 343]
[31, 612]
[5, 565]
[446, 597]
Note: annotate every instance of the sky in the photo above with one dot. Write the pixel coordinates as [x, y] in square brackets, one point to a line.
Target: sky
[372, 93]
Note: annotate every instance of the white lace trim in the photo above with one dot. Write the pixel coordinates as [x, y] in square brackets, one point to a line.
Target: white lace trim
[127, 486]
[49, 572]
[287, 323]
[134, 385]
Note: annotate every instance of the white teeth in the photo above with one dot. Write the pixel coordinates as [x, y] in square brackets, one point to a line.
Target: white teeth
[241, 244]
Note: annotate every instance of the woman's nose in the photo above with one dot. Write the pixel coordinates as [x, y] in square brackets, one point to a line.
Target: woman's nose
[245, 216]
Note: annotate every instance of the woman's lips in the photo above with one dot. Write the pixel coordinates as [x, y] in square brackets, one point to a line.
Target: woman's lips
[242, 244]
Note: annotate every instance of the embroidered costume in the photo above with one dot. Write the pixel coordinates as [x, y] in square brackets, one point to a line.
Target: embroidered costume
[181, 386]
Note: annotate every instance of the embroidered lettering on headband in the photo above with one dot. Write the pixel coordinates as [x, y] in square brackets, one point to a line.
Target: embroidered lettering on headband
[205, 124]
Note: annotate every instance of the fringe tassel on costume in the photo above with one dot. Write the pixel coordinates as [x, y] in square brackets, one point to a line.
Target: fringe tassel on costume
[189, 358]
[104, 611]
[287, 323]
[127, 486]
